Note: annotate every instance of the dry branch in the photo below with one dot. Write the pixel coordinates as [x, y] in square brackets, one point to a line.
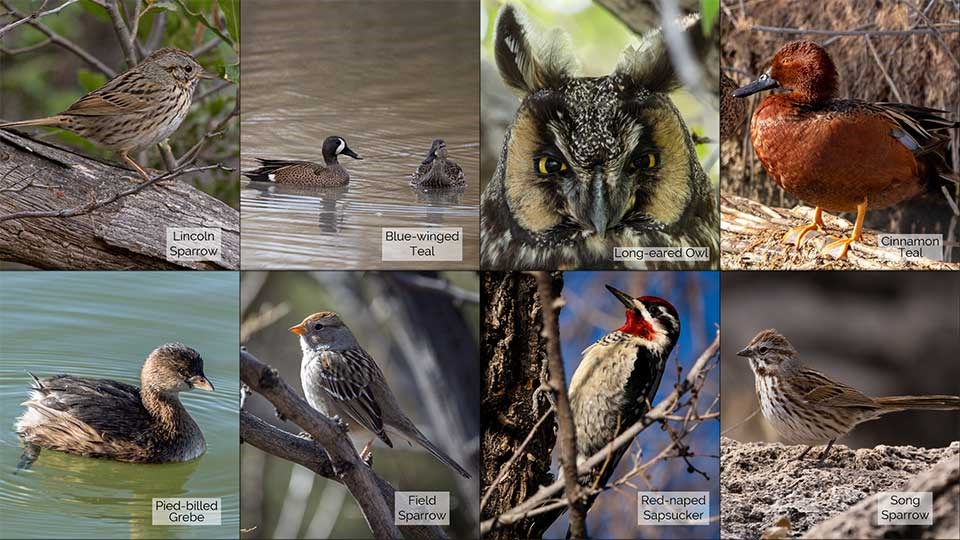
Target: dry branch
[128, 232]
[311, 455]
[752, 234]
[59, 41]
[363, 483]
[567, 437]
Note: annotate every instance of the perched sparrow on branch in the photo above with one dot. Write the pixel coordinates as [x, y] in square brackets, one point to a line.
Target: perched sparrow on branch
[340, 379]
[807, 407]
[136, 109]
[616, 378]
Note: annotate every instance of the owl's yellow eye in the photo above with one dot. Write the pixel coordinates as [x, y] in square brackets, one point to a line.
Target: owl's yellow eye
[546, 165]
[647, 160]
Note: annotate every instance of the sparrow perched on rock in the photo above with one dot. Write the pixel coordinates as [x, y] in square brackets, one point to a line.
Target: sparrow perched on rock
[341, 379]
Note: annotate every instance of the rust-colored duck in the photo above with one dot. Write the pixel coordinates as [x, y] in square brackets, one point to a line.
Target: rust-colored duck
[842, 155]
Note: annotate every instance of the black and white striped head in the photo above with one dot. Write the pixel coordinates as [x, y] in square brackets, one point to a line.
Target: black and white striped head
[769, 353]
[592, 154]
[649, 317]
[334, 146]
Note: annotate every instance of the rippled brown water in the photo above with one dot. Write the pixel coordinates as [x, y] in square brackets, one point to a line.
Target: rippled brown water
[389, 77]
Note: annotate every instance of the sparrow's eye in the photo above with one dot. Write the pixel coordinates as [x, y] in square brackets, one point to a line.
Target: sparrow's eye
[318, 327]
[188, 69]
[548, 165]
[763, 350]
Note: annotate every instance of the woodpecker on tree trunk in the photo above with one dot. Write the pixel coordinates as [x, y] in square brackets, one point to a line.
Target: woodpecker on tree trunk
[617, 377]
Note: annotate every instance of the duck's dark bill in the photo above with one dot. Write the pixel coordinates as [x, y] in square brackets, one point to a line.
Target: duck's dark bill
[350, 153]
[765, 82]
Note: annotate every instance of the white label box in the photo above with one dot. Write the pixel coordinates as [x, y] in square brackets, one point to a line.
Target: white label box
[186, 511]
[421, 508]
[905, 508]
[673, 508]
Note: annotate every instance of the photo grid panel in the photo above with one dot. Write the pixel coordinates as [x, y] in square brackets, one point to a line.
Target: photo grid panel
[459, 269]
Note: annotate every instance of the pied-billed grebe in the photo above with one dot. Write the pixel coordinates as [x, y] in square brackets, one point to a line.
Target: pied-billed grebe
[307, 173]
[110, 419]
[437, 171]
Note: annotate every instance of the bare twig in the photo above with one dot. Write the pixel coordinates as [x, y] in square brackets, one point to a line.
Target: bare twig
[330, 436]
[439, 285]
[883, 70]
[36, 15]
[217, 130]
[122, 30]
[63, 42]
[100, 203]
[818, 32]
[567, 431]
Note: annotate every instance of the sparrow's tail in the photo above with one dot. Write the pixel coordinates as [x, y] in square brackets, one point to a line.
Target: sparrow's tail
[56, 121]
[437, 453]
[930, 403]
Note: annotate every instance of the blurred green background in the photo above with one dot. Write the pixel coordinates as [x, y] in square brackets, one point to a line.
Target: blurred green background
[422, 328]
[38, 78]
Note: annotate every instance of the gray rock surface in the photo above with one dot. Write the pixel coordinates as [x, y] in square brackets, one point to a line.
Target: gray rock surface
[762, 483]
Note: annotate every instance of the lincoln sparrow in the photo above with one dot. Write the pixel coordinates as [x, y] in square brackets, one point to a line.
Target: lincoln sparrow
[341, 379]
[807, 407]
[138, 108]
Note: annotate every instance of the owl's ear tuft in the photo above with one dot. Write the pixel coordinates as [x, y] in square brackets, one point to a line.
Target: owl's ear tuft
[649, 65]
[525, 66]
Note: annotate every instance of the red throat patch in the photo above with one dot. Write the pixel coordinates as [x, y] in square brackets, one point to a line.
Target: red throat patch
[636, 325]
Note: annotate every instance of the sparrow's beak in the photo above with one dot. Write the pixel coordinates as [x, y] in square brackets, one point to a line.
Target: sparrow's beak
[624, 298]
[204, 74]
[201, 382]
[299, 329]
[746, 353]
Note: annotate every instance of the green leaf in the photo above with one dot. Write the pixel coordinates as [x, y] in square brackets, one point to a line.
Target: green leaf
[231, 12]
[196, 17]
[90, 80]
[231, 72]
[709, 11]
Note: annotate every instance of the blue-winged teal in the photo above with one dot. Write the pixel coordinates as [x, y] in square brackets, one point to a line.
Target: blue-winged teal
[843, 155]
[307, 173]
[437, 171]
[109, 419]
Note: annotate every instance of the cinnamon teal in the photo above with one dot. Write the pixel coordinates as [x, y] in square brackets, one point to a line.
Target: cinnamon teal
[436, 171]
[331, 173]
[842, 155]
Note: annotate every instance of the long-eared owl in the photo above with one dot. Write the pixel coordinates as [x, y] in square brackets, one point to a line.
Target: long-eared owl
[593, 163]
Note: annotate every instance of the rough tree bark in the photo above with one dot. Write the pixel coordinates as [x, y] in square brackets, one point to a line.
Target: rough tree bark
[513, 349]
[129, 233]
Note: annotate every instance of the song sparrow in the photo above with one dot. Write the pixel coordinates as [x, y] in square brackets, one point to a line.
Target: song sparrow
[807, 407]
[138, 108]
[341, 379]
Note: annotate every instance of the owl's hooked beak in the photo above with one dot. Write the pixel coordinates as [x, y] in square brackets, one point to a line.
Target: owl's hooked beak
[599, 217]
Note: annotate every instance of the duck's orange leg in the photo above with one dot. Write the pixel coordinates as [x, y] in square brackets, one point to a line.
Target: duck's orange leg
[838, 249]
[795, 235]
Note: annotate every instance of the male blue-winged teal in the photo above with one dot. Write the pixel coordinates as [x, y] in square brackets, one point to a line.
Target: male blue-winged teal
[436, 171]
[842, 155]
[307, 173]
[109, 419]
